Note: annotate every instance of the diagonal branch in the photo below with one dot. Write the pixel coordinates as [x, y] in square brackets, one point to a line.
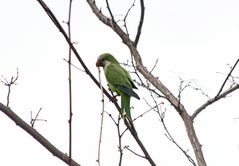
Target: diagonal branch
[109, 9]
[60, 28]
[219, 95]
[170, 137]
[213, 100]
[37, 136]
[136, 154]
[141, 21]
[229, 74]
[168, 134]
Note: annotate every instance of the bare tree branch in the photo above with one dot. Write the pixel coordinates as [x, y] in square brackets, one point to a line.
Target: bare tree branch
[36, 135]
[109, 9]
[170, 137]
[75, 66]
[9, 85]
[60, 28]
[213, 100]
[33, 120]
[219, 95]
[168, 134]
[120, 135]
[141, 21]
[69, 82]
[156, 82]
[126, 15]
[127, 147]
[145, 112]
[229, 74]
[102, 120]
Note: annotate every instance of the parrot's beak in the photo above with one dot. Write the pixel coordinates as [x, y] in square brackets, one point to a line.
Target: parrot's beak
[98, 63]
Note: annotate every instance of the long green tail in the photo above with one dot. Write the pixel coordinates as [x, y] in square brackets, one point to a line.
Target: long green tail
[125, 105]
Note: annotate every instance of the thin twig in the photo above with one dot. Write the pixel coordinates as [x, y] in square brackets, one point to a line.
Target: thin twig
[220, 94]
[229, 74]
[33, 120]
[141, 21]
[232, 77]
[170, 137]
[109, 9]
[141, 115]
[102, 120]
[74, 66]
[119, 141]
[69, 82]
[145, 112]
[141, 83]
[9, 85]
[213, 100]
[120, 135]
[127, 147]
[168, 134]
[125, 17]
[182, 87]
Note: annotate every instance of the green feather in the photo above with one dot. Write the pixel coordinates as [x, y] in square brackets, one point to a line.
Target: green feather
[119, 81]
[125, 105]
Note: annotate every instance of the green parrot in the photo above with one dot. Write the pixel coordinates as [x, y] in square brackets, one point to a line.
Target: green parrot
[119, 81]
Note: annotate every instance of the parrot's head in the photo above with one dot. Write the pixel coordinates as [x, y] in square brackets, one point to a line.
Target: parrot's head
[105, 58]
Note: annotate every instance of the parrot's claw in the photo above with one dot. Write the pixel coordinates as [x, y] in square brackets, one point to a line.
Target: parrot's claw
[123, 115]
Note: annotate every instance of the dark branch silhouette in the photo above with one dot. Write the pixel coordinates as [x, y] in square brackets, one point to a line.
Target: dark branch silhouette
[141, 21]
[220, 94]
[227, 78]
[213, 100]
[36, 135]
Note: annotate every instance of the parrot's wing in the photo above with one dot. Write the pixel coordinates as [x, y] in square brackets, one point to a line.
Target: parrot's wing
[115, 75]
[129, 78]
[120, 79]
[128, 91]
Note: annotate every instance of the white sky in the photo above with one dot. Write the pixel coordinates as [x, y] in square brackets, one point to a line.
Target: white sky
[192, 39]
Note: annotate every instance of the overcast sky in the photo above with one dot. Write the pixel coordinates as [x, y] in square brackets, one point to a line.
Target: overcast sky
[194, 40]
